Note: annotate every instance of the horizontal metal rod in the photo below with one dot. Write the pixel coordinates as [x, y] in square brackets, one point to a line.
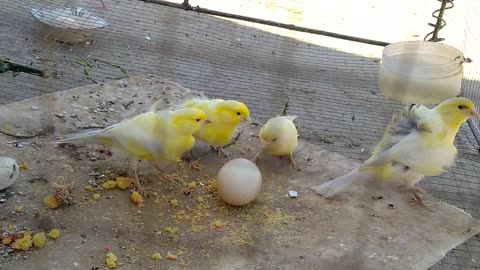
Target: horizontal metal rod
[197, 9]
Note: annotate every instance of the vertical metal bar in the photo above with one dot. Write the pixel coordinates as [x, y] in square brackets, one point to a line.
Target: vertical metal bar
[475, 131]
[439, 23]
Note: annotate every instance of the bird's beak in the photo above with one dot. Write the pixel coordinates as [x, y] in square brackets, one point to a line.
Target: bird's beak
[246, 119]
[263, 142]
[474, 114]
[207, 122]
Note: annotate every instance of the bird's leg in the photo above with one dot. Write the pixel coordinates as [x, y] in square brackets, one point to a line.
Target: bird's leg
[292, 162]
[403, 188]
[138, 185]
[193, 164]
[168, 177]
[103, 5]
[419, 200]
[222, 151]
[172, 177]
[417, 189]
[256, 157]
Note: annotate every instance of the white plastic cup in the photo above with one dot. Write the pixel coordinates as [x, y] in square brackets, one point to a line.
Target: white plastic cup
[420, 72]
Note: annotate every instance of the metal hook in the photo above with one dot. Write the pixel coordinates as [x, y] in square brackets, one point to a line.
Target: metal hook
[464, 59]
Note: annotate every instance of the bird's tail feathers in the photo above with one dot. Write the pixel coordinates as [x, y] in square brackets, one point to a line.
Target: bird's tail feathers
[339, 184]
[94, 136]
[155, 105]
[290, 117]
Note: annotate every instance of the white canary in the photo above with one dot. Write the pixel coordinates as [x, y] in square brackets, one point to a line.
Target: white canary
[279, 137]
[416, 143]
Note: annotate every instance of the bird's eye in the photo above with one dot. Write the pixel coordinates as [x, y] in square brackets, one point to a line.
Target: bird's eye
[198, 120]
[275, 139]
[238, 113]
[461, 107]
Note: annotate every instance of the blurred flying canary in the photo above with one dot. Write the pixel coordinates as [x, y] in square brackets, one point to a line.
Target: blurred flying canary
[416, 143]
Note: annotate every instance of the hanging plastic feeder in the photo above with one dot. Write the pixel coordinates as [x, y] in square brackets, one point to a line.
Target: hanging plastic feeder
[68, 25]
[421, 72]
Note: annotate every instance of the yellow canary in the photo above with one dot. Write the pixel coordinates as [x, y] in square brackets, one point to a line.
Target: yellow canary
[416, 143]
[224, 116]
[279, 137]
[154, 136]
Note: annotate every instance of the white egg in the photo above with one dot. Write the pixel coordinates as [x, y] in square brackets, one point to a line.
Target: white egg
[239, 182]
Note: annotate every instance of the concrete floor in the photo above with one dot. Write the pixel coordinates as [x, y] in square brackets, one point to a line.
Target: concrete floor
[329, 84]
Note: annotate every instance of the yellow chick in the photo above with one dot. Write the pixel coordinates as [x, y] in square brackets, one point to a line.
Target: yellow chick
[279, 137]
[416, 143]
[224, 116]
[153, 136]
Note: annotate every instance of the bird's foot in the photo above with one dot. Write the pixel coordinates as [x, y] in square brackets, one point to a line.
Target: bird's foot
[172, 177]
[196, 165]
[140, 189]
[103, 5]
[293, 163]
[403, 188]
[256, 157]
[418, 200]
[222, 151]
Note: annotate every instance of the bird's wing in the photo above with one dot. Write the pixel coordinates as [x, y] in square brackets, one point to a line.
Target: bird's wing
[403, 131]
[137, 136]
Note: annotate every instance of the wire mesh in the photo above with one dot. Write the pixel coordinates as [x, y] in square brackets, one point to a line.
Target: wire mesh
[330, 84]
